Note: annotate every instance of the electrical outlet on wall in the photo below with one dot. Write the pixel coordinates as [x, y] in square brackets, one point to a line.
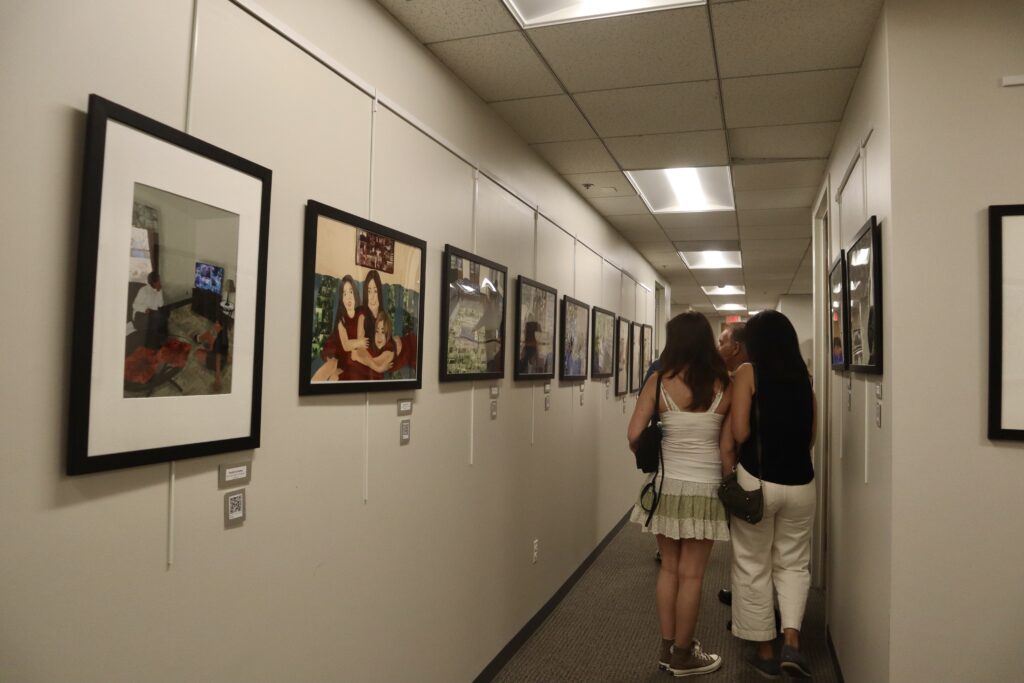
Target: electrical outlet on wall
[536, 549]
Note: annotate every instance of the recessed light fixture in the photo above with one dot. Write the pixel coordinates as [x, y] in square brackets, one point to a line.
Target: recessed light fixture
[725, 290]
[685, 190]
[696, 260]
[730, 307]
[533, 13]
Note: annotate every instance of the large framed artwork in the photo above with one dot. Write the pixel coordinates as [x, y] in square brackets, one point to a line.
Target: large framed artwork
[864, 297]
[635, 375]
[167, 354]
[536, 310]
[472, 317]
[362, 305]
[602, 344]
[575, 338]
[621, 356]
[1006, 322]
[839, 313]
[646, 349]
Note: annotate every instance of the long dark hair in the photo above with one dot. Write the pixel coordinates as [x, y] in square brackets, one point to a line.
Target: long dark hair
[341, 315]
[774, 349]
[690, 349]
[370, 317]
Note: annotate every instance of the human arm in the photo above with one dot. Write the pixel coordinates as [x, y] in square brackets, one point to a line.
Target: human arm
[642, 413]
[381, 363]
[742, 395]
[350, 345]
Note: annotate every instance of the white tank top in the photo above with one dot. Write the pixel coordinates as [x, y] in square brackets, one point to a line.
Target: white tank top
[689, 442]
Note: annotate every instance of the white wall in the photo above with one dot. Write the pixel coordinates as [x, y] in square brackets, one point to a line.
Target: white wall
[433, 571]
[957, 147]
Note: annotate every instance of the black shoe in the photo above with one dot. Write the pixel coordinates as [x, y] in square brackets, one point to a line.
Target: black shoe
[769, 668]
[793, 663]
[725, 596]
[728, 626]
[657, 556]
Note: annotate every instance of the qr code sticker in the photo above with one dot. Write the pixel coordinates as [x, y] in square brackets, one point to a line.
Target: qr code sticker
[236, 505]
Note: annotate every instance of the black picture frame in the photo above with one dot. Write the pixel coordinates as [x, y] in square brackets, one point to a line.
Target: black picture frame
[646, 350]
[459, 360]
[838, 314]
[574, 363]
[1005, 293]
[864, 309]
[602, 343]
[535, 335]
[635, 371]
[114, 421]
[622, 347]
[325, 367]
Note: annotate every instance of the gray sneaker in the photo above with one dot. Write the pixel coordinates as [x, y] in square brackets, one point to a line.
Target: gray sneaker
[665, 657]
[769, 668]
[693, 662]
[793, 663]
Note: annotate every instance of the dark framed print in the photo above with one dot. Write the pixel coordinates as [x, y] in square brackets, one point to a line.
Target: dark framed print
[1006, 322]
[646, 349]
[362, 305]
[536, 310]
[839, 313]
[621, 356]
[635, 373]
[864, 299]
[602, 344]
[575, 339]
[167, 354]
[472, 317]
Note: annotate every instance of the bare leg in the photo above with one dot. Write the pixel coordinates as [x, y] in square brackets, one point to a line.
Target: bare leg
[693, 559]
[667, 586]
[791, 637]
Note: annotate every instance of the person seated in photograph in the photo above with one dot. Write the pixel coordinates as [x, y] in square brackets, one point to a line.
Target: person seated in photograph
[347, 335]
[213, 352]
[148, 315]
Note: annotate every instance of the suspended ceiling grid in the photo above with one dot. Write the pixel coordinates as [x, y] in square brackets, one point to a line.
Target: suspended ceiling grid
[759, 85]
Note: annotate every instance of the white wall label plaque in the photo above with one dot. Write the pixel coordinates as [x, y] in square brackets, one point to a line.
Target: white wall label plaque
[404, 406]
[234, 474]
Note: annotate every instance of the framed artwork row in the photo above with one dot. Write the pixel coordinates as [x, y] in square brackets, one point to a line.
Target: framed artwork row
[536, 308]
[855, 303]
[622, 358]
[602, 344]
[472, 317]
[1006, 322]
[574, 340]
[635, 376]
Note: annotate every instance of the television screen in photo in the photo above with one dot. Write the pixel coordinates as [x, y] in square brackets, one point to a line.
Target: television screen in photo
[209, 277]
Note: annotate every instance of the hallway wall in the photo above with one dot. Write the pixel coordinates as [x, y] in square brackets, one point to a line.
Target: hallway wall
[433, 572]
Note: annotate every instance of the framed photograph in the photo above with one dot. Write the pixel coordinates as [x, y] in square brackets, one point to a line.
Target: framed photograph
[575, 339]
[472, 317]
[167, 354]
[646, 350]
[536, 310]
[864, 299]
[635, 373]
[622, 356]
[602, 344]
[839, 313]
[361, 324]
[1006, 322]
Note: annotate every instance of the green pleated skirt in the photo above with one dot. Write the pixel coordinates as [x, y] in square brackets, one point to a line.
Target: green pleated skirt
[687, 509]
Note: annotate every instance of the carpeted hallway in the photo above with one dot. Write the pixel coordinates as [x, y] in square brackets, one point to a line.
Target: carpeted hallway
[605, 630]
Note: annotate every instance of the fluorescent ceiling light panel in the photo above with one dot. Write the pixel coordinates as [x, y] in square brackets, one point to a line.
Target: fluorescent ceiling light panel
[533, 13]
[725, 290]
[685, 190]
[730, 307]
[696, 260]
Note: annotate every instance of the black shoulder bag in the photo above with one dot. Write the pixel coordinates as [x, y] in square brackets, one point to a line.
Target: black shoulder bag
[649, 458]
[747, 505]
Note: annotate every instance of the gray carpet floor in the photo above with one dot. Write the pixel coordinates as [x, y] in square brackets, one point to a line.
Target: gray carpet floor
[606, 628]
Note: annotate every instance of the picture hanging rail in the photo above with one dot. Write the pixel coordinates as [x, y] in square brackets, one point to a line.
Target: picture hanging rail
[167, 353]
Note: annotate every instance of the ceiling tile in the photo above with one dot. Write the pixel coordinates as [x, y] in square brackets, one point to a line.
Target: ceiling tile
[788, 249]
[805, 97]
[667, 259]
[646, 237]
[702, 234]
[636, 221]
[501, 66]
[609, 184]
[791, 216]
[653, 109]
[776, 176]
[434, 21]
[670, 150]
[777, 36]
[710, 277]
[636, 49]
[775, 199]
[707, 245]
[617, 206]
[801, 141]
[577, 156]
[545, 119]
[774, 232]
[700, 219]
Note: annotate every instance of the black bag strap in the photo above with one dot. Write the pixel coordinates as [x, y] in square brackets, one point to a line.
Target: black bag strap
[760, 428]
[656, 420]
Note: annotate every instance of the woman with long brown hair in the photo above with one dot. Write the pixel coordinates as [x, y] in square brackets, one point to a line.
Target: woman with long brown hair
[696, 450]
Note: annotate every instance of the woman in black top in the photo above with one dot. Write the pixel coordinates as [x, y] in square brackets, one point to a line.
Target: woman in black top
[773, 403]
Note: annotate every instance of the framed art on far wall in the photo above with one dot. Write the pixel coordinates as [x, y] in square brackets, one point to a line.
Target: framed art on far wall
[602, 344]
[536, 310]
[575, 338]
[838, 313]
[646, 349]
[1006, 323]
[621, 356]
[362, 305]
[472, 317]
[864, 299]
[167, 354]
[635, 373]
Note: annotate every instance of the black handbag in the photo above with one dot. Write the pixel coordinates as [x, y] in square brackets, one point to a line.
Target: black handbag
[649, 458]
[747, 505]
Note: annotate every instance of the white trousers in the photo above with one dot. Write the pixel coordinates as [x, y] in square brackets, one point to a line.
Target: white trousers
[776, 550]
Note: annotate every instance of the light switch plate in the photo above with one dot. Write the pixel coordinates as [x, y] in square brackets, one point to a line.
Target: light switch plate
[234, 508]
[494, 409]
[235, 474]
[404, 406]
[404, 432]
